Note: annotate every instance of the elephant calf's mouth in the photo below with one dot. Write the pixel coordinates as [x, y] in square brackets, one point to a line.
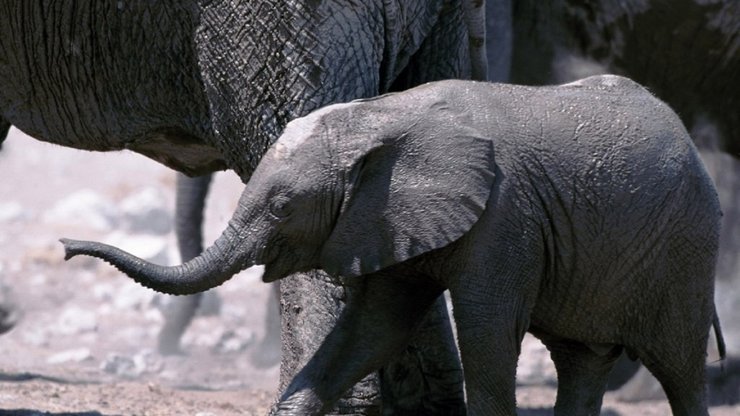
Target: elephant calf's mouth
[273, 272]
[278, 267]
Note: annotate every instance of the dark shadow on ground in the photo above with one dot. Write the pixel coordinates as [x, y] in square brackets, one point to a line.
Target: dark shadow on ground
[24, 377]
[21, 377]
[549, 412]
[534, 412]
[26, 412]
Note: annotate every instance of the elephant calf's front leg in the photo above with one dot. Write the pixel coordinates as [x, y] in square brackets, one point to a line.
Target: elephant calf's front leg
[382, 311]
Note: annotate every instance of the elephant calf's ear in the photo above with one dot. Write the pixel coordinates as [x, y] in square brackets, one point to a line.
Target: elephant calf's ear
[412, 195]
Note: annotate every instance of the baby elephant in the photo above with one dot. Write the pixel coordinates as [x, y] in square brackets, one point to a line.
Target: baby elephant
[580, 213]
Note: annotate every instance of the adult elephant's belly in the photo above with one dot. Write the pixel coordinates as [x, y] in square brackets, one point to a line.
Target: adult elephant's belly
[96, 77]
[180, 151]
[178, 147]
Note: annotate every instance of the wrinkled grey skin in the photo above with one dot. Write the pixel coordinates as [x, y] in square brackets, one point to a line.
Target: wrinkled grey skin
[207, 85]
[581, 213]
[687, 52]
[183, 309]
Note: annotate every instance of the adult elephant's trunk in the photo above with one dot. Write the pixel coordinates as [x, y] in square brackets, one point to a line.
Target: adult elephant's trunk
[217, 264]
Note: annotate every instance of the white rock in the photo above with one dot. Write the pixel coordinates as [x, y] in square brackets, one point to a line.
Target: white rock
[37, 337]
[74, 320]
[83, 208]
[77, 355]
[132, 367]
[119, 365]
[147, 212]
[234, 341]
[203, 338]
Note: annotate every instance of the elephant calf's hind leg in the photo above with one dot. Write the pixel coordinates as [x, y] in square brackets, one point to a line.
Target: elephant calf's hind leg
[582, 375]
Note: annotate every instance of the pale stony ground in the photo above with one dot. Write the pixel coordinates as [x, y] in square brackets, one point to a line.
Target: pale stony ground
[85, 343]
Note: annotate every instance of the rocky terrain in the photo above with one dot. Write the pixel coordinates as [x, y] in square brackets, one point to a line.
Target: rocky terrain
[85, 340]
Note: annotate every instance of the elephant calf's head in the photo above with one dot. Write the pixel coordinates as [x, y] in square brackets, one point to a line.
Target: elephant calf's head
[358, 187]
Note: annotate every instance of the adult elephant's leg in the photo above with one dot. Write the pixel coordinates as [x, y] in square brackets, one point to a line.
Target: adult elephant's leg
[267, 352]
[427, 377]
[190, 200]
[381, 313]
[277, 87]
[499, 39]
[310, 307]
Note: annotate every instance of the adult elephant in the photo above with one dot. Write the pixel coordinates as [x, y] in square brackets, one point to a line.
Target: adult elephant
[687, 52]
[203, 85]
[192, 192]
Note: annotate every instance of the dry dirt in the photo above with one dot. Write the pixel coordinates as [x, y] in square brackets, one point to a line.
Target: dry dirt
[85, 342]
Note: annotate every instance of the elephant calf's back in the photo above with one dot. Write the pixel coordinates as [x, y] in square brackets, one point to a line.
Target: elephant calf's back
[629, 214]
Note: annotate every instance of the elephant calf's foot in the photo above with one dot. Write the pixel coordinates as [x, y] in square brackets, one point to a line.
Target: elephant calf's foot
[301, 403]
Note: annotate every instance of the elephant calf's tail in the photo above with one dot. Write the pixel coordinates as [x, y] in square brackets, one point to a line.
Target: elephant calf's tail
[721, 347]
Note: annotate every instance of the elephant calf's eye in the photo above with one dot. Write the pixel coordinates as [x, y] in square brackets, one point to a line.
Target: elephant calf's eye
[279, 207]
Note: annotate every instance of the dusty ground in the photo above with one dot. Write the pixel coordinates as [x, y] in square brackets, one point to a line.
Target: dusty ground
[85, 343]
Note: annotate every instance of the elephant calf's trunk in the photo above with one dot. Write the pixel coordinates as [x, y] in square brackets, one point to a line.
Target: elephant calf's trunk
[202, 273]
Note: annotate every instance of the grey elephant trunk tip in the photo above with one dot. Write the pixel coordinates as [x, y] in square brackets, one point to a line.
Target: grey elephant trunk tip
[71, 248]
[74, 248]
[102, 251]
